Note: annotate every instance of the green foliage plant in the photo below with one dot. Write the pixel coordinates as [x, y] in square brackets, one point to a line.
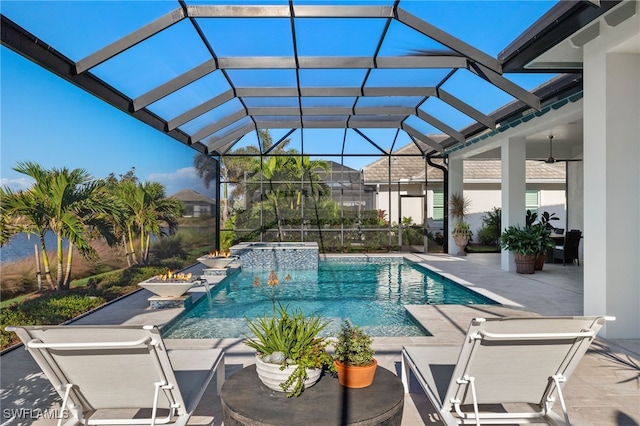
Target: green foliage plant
[354, 346]
[491, 224]
[462, 229]
[54, 308]
[546, 218]
[535, 239]
[486, 236]
[295, 336]
[530, 218]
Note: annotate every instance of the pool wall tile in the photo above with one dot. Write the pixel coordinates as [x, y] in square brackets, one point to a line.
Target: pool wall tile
[261, 256]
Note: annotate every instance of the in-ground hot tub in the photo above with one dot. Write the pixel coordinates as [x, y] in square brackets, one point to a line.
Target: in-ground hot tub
[277, 255]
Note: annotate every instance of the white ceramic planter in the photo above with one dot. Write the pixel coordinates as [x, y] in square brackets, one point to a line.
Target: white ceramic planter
[272, 376]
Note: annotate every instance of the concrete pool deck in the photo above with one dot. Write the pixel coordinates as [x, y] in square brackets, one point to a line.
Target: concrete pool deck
[604, 390]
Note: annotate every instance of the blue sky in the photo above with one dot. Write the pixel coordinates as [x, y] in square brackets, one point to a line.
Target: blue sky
[46, 120]
[51, 122]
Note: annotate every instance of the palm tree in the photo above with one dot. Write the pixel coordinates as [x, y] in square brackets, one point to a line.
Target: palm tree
[146, 208]
[274, 169]
[161, 210]
[304, 167]
[126, 193]
[120, 220]
[67, 202]
[21, 212]
[233, 166]
[287, 175]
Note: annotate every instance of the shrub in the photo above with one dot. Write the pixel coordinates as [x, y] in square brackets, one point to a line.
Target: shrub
[528, 240]
[492, 221]
[486, 236]
[55, 308]
[168, 247]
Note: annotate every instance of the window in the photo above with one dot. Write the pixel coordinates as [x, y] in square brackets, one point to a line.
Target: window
[532, 200]
[438, 205]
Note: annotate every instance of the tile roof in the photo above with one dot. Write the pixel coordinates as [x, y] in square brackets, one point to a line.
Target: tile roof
[189, 195]
[403, 167]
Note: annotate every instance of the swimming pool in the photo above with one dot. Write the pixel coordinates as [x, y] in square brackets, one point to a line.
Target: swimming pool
[371, 294]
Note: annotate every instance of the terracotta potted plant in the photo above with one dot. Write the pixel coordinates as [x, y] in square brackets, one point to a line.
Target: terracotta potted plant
[527, 243]
[353, 358]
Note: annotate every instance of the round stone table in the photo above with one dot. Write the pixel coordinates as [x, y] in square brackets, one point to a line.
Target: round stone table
[246, 401]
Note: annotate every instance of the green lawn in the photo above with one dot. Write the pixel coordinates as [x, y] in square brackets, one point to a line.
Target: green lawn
[13, 300]
[477, 248]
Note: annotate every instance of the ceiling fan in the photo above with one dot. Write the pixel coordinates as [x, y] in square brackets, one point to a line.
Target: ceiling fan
[551, 159]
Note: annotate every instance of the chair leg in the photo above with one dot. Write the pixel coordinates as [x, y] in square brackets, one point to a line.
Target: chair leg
[404, 374]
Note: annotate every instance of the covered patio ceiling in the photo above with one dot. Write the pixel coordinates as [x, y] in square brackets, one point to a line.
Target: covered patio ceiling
[209, 74]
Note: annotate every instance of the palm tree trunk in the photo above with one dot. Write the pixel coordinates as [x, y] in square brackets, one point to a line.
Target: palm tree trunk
[126, 250]
[225, 210]
[274, 198]
[45, 262]
[132, 252]
[142, 241]
[59, 256]
[146, 253]
[67, 274]
[280, 230]
[38, 272]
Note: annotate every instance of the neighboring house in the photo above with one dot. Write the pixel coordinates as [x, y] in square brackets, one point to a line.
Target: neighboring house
[195, 204]
[347, 187]
[545, 188]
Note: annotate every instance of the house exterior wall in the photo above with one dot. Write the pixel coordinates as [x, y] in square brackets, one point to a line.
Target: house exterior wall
[484, 197]
[612, 177]
[197, 209]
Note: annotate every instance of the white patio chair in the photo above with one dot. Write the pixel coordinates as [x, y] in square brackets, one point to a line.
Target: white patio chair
[121, 374]
[522, 362]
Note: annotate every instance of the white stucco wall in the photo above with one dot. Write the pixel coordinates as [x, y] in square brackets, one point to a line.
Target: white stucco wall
[612, 177]
[483, 197]
[411, 207]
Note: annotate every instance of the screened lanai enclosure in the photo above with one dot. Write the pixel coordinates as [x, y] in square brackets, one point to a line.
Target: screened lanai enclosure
[293, 101]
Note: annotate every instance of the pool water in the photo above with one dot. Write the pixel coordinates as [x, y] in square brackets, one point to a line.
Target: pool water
[369, 294]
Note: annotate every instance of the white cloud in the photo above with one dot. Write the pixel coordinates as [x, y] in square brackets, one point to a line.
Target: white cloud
[17, 184]
[181, 179]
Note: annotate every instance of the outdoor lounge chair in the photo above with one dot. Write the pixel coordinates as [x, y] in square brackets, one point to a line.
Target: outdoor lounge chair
[121, 374]
[521, 362]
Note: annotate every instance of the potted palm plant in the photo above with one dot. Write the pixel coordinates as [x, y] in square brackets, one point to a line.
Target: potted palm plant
[458, 210]
[353, 358]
